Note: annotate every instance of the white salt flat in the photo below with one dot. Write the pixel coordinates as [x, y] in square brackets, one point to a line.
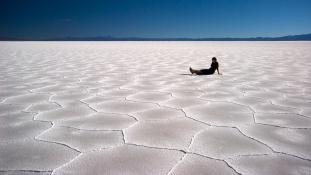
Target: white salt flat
[134, 108]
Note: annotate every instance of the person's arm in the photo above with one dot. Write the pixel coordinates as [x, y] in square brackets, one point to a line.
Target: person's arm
[218, 69]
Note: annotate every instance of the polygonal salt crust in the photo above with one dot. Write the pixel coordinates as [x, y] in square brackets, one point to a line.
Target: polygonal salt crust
[148, 82]
[186, 95]
[119, 77]
[122, 107]
[168, 83]
[125, 159]
[185, 84]
[94, 90]
[117, 93]
[298, 97]
[53, 78]
[305, 112]
[62, 81]
[40, 84]
[229, 83]
[11, 118]
[291, 141]
[264, 84]
[220, 95]
[98, 99]
[155, 75]
[285, 90]
[82, 140]
[158, 114]
[92, 79]
[73, 91]
[99, 121]
[6, 109]
[292, 104]
[270, 164]
[34, 155]
[249, 101]
[43, 107]
[245, 78]
[58, 89]
[194, 164]
[180, 90]
[19, 131]
[70, 97]
[24, 172]
[17, 81]
[27, 99]
[71, 104]
[65, 113]
[180, 103]
[246, 88]
[307, 91]
[264, 95]
[279, 77]
[221, 114]
[11, 93]
[14, 89]
[217, 86]
[284, 120]
[163, 65]
[175, 133]
[140, 88]
[117, 82]
[299, 83]
[223, 143]
[86, 84]
[270, 108]
[153, 97]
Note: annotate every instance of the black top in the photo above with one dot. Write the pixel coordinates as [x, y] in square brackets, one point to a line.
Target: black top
[211, 70]
[214, 66]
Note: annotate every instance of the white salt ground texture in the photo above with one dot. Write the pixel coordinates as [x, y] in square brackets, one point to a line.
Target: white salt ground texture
[134, 108]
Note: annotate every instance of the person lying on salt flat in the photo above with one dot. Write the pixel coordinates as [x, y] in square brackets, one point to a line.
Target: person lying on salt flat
[211, 70]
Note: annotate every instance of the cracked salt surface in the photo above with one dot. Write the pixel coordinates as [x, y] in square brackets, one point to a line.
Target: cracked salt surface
[125, 159]
[134, 108]
[223, 143]
[91, 139]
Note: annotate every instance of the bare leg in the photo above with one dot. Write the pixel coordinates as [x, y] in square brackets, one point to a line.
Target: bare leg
[191, 70]
[194, 71]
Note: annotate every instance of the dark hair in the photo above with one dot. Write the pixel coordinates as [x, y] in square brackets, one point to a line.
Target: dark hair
[214, 58]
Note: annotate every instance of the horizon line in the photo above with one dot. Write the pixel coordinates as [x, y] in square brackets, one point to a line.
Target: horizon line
[146, 38]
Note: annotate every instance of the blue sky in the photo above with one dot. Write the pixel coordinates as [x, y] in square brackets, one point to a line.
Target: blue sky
[41, 19]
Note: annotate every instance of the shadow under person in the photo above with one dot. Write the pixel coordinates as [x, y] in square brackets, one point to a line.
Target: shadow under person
[214, 66]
